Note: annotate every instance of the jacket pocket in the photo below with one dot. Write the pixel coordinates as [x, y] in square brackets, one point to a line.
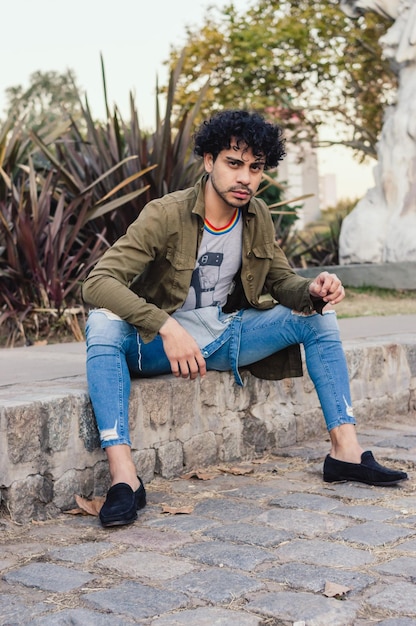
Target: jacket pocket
[265, 251]
[180, 261]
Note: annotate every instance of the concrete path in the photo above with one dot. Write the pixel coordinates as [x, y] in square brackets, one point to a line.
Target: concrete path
[40, 363]
[259, 544]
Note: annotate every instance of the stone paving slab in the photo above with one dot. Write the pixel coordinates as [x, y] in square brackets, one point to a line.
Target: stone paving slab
[221, 553]
[399, 597]
[217, 585]
[402, 566]
[136, 600]
[14, 611]
[303, 523]
[375, 534]
[48, 577]
[251, 534]
[406, 547]
[81, 553]
[147, 565]
[79, 617]
[210, 616]
[364, 513]
[312, 609]
[323, 552]
[313, 578]
[257, 549]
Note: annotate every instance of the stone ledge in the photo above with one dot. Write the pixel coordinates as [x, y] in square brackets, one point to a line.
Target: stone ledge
[49, 448]
[384, 275]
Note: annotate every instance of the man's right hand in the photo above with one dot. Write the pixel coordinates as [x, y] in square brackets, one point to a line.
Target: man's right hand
[184, 355]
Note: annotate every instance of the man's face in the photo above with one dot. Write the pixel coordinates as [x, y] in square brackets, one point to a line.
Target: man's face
[235, 174]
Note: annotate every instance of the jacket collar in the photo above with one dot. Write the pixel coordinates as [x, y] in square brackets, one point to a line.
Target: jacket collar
[199, 207]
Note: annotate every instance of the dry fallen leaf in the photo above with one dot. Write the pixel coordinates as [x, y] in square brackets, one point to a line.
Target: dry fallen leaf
[89, 507]
[332, 590]
[75, 512]
[177, 510]
[200, 475]
[236, 471]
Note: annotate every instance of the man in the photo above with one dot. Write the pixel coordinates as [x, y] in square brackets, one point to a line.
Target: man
[198, 283]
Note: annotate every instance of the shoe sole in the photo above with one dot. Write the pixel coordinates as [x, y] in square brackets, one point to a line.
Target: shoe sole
[118, 522]
[389, 483]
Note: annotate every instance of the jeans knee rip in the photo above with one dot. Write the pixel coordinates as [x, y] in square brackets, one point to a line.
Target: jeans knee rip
[109, 314]
[109, 433]
[301, 314]
[312, 313]
[348, 408]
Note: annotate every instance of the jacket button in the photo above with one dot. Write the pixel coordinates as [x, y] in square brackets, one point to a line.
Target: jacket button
[250, 277]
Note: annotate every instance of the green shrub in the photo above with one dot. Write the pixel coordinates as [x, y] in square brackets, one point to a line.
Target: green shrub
[318, 243]
[67, 193]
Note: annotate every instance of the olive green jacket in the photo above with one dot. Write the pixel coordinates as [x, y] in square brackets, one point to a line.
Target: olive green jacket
[146, 274]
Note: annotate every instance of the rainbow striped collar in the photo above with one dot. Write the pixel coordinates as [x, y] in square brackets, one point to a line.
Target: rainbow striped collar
[224, 229]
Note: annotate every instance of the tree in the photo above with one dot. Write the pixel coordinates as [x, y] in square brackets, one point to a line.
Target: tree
[303, 62]
[50, 97]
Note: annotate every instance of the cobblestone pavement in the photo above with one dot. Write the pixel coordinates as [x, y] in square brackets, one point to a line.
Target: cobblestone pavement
[258, 546]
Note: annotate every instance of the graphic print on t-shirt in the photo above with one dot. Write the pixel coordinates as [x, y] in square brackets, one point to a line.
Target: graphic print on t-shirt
[205, 276]
[219, 258]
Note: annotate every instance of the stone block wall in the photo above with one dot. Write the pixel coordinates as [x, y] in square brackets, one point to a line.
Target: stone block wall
[49, 447]
[385, 275]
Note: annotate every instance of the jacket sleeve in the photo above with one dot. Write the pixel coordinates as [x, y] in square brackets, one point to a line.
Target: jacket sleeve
[287, 287]
[282, 282]
[108, 284]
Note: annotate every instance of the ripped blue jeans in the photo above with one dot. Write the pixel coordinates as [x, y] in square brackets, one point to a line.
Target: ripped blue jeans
[115, 350]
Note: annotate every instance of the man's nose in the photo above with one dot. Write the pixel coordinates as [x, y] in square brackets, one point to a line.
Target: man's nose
[244, 175]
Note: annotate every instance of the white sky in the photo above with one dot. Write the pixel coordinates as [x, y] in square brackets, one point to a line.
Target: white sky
[134, 37]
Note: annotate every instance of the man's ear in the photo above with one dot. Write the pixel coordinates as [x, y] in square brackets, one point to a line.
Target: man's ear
[208, 162]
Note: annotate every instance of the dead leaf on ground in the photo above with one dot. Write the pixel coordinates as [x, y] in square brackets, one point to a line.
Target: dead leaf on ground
[76, 511]
[333, 590]
[87, 507]
[200, 475]
[237, 471]
[177, 510]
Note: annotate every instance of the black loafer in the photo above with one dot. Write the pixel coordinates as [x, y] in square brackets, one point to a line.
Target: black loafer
[122, 504]
[368, 471]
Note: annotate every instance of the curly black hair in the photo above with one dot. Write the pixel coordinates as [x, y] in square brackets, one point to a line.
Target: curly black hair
[265, 139]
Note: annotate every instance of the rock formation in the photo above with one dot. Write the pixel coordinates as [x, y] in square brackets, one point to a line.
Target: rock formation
[382, 227]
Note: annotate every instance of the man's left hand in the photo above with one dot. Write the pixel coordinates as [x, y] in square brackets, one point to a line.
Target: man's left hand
[328, 287]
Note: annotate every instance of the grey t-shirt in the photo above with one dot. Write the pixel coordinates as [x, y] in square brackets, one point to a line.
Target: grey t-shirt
[218, 260]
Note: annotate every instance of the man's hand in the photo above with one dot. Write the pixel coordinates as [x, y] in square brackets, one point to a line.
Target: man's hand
[184, 355]
[328, 287]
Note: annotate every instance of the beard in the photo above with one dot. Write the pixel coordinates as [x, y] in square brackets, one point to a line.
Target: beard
[233, 202]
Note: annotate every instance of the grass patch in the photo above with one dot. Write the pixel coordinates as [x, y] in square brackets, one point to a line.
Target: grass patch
[366, 301]
[381, 292]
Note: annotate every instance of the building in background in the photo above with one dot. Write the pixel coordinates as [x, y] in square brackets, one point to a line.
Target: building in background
[299, 172]
[328, 191]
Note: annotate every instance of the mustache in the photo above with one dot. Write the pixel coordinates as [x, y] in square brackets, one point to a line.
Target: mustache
[240, 188]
